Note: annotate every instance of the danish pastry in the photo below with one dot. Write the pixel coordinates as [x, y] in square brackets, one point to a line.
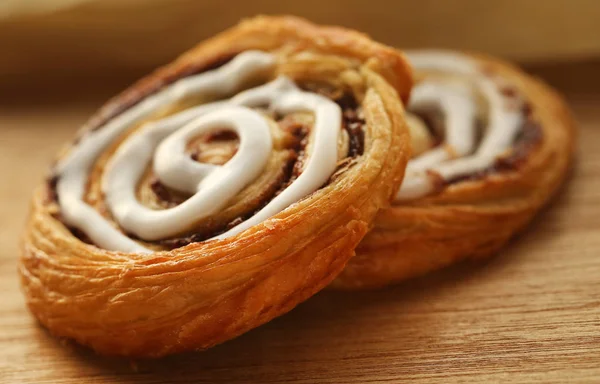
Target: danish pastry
[218, 192]
[490, 146]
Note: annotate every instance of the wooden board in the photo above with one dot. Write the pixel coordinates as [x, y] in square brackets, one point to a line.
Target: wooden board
[530, 314]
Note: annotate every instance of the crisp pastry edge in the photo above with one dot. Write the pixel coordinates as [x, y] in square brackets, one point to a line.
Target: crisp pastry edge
[415, 238]
[202, 294]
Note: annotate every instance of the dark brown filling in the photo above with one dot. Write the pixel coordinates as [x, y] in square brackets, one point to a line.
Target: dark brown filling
[165, 194]
[353, 123]
[132, 97]
[352, 120]
[300, 133]
[51, 193]
[181, 241]
[529, 138]
[222, 135]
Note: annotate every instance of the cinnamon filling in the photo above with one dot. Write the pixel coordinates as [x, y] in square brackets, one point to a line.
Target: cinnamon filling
[353, 123]
[219, 146]
[529, 138]
[353, 119]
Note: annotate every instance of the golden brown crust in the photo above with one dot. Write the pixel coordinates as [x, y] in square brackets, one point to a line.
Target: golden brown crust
[473, 218]
[204, 293]
[268, 33]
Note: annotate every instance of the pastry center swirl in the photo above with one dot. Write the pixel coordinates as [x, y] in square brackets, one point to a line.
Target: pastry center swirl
[456, 86]
[161, 144]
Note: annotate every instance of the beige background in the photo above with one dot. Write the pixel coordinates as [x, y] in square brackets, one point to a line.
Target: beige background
[60, 37]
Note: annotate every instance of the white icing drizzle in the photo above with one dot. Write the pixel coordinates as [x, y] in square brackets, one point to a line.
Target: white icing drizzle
[163, 142]
[457, 156]
[212, 186]
[459, 108]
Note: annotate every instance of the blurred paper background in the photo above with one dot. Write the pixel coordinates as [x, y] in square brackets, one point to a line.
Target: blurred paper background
[45, 38]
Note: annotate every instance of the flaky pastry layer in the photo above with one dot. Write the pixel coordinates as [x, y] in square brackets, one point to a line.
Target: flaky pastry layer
[201, 294]
[473, 218]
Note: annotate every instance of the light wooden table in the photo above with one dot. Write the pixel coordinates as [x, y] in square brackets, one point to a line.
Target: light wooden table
[531, 314]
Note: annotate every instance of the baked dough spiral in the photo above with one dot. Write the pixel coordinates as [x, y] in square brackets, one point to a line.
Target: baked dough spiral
[491, 145]
[218, 192]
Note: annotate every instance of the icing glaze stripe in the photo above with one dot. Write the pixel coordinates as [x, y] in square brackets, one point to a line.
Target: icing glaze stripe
[163, 142]
[456, 156]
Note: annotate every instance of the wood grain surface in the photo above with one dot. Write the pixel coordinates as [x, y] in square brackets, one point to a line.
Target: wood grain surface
[530, 314]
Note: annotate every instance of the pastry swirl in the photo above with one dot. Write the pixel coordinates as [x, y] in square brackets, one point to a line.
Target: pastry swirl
[490, 147]
[218, 192]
